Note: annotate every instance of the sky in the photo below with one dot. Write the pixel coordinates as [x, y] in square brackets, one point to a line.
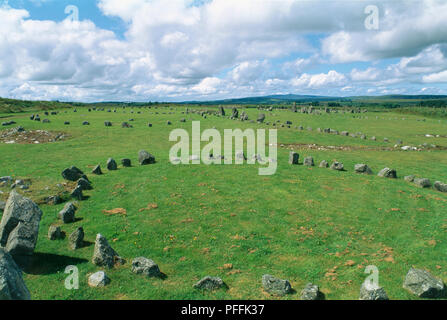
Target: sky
[183, 50]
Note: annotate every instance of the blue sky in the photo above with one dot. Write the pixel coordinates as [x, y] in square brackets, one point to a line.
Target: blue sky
[175, 50]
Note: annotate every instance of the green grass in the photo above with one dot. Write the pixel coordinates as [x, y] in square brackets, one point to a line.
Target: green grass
[297, 224]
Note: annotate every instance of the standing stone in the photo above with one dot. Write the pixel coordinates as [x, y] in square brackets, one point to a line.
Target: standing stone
[111, 164]
[98, 280]
[84, 184]
[388, 173]
[311, 292]
[209, 283]
[324, 164]
[51, 200]
[409, 178]
[97, 170]
[442, 187]
[77, 194]
[12, 286]
[107, 123]
[309, 161]
[240, 155]
[423, 284]
[54, 233]
[261, 118]
[145, 158]
[235, 114]
[2, 206]
[370, 291]
[293, 157]
[221, 111]
[146, 267]
[276, 286]
[72, 174]
[362, 168]
[126, 163]
[67, 214]
[423, 183]
[19, 228]
[104, 255]
[338, 166]
[76, 239]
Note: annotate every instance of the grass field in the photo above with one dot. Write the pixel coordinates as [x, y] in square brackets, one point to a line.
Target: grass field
[301, 224]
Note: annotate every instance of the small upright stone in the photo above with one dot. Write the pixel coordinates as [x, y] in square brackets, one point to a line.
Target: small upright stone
[423, 284]
[97, 170]
[362, 168]
[409, 178]
[103, 254]
[324, 164]
[111, 164]
[293, 157]
[209, 283]
[84, 184]
[309, 161]
[98, 280]
[442, 187]
[72, 174]
[126, 163]
[338, 166]
[76, 239]
[423, 183]
[370, 291]
[145, 158]
[276, 286]
[54, 233]
[146, 267]
[311, 292]
[388, 173]
[67, 214]
[77, 194]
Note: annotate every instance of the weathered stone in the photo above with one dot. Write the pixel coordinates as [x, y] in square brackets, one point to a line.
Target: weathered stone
[370, 291]
[12, 286]
[104, 255]
[72, 174]
[240, 155]
[97, 170]
[84, 184]
[55, 233]
[311, 292]
[53, 200]
[77, 193]
[293, 157]
[19, 228]
[2, 206]
[76, 239]
[86, 123]
[409, 178]
[235, 113]
[126, 163]
[338, 166]
[67, 214]
[107, 123]
[146, 267]
[309, 161]
[324, 164]
[423, 182]
[423, 284]
[362, 168]
[145, 158]
[221, 111]
[276, 286]
[388, 173]
[261, 118]
[111, 164]
[209, 283]
[442, 187]
[98, 280]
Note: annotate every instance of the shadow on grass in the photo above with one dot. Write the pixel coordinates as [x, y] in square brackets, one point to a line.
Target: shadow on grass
[47, 263]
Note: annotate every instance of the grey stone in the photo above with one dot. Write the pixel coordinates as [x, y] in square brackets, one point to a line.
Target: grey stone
[370, 291]
[53, 200]
[72, 174]
[423, 182]
[409, 178]
[209, 283]
[84, 184]
[76, 239]
[107, 123]
[442, 187]
[2, 205]
[104, 255]
[98, 280]
[388, 173]
[97, 170]
[276, 286]
[126, 163]
[240, 155]
[311, 292]
[19, 228]
[293, 157]
[55, 233]
[146, 267]
[111, 164]
[145, 158]
[77, 193]
[423, 284]
[309, 161]
[338, 166]
[324, 164]
[261, 118]
[362, 168]
[12, 286]
[67, 214]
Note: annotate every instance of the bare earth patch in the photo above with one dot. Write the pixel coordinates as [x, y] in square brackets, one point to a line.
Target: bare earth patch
[21, 136]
